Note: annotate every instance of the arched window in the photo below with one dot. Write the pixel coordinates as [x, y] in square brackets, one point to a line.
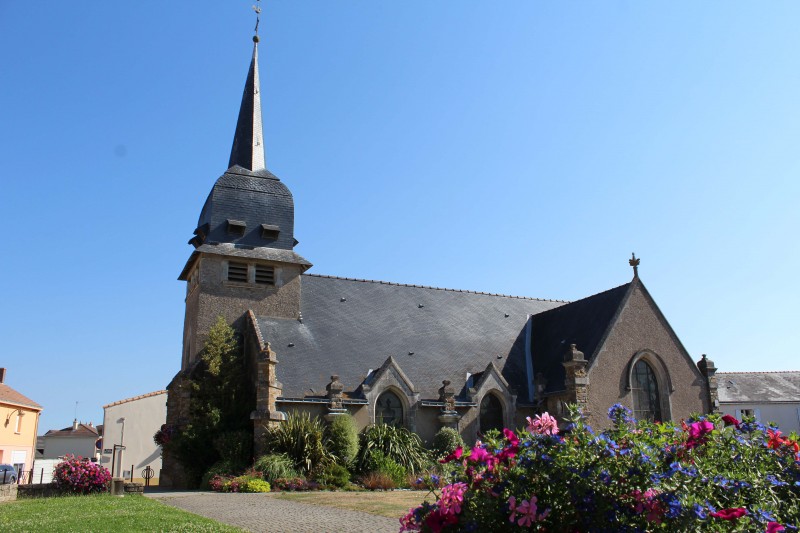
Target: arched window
[646, 398]
[389, 409]
[491, 416]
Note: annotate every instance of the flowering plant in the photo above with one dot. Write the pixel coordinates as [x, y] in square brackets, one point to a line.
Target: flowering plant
[704, 473]
[81, 476]
[164, 435]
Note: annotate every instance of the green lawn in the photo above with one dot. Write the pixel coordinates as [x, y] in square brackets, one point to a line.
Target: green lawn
[100, 513]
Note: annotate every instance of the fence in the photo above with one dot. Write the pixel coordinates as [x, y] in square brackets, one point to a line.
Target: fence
[27, 477]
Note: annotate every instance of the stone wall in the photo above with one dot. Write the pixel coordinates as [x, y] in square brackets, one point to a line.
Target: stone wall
[8, 492]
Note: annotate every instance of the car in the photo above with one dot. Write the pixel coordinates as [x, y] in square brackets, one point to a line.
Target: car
[8, 474]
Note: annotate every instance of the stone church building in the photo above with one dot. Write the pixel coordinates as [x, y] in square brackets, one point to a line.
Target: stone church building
[421, 357]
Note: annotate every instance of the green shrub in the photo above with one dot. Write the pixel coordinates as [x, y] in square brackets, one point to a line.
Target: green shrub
[235, 448]
[291, 484]
[301, 438]
[445, 441]
[255, 485]
[341, 438]
[381, 464]
[397, 443]
[274, 466]
[334, 475]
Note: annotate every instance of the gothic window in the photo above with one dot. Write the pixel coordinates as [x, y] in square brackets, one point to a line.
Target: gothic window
[646, 398]
[389, 409]
[491, 416]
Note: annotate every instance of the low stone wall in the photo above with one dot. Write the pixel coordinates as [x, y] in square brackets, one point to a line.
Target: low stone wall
[38, 490]
[134, 488]
[8, 492]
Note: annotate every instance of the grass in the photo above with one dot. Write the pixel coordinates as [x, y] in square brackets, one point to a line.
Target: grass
[100, 513]
[392, 504]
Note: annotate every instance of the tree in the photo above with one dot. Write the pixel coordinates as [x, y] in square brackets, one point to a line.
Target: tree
[222, 397]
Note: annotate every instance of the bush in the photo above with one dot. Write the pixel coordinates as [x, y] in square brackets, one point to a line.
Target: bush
[341, 438]
[377, 481]
[379, 463]
[445, 441]
[274, 466]
[224, 468]
[81, 476]
[300, 437]
[710, 473]
[254, 485]
[334, 475]
[291, 484]
[235, 448]
[397, 443]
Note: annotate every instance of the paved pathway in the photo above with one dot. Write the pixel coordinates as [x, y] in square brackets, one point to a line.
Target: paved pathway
[263, 513]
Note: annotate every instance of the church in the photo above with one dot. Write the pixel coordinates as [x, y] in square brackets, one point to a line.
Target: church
[421, 357]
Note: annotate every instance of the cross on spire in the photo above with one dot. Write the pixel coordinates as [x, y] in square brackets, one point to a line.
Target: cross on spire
[634, 262]
[257, 9]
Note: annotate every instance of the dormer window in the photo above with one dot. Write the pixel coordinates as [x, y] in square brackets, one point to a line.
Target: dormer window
[236, 227]
[265, 275]
[268, 231]
[237, 272]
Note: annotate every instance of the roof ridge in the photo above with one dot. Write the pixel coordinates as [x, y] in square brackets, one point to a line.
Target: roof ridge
[762, 372]
[126, 400]
[436, 288]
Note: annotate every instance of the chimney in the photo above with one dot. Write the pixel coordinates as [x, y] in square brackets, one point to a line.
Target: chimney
[74, 424]
[2, 375]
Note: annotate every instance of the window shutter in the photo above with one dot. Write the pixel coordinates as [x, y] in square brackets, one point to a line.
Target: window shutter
[237, 272]
[758, 415]
[265, 275]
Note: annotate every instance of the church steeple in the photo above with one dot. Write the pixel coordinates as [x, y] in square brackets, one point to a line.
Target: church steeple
[248, 140]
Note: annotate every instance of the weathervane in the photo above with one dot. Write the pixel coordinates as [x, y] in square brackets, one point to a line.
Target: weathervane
[257, 9]
[634, 262]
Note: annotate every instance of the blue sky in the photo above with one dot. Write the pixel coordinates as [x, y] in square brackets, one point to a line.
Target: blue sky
[516, 147]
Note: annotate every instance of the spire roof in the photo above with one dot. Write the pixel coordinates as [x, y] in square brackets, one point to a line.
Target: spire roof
[248, 140]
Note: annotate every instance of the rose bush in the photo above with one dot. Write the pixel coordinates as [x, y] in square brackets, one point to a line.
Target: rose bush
[81, 476]
[708, 473]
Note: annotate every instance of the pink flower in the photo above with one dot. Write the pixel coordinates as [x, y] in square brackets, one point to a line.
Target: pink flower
[527, 512]
[479, 455]
[774, 527]
[452, 497]
[511, 437]
[512, 506]
[730, 514]
[543, 425]
[455, 454]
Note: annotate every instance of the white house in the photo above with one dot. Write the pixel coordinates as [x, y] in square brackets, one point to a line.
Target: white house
[79, 439]
[768, 396]
[128, 428]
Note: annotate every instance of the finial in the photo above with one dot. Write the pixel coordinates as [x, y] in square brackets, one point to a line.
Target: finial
[634, 262]
[257, 9]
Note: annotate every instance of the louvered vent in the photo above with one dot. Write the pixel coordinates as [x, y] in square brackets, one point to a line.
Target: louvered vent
[237, 272]
[265, 275]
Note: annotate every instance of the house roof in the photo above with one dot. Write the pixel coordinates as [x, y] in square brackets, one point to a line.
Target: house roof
[9, 395]
[350, 326]
[582, 322]
[744, 387]
[84, 430]
[141, 396]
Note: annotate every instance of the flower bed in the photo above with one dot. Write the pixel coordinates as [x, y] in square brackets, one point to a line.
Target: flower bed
[708, 473]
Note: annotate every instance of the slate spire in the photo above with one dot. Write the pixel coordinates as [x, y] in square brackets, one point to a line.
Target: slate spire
[248, 140]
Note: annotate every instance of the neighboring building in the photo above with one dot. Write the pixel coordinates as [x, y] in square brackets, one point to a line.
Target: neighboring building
[129, 426]
[767, 396]
[20, 423]
[79, 440]
[420, 357]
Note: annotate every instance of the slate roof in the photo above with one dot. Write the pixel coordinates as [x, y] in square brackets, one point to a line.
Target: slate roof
[351, 326]
[582, 322]
[758, 387]
[9, 395]
[84, 430]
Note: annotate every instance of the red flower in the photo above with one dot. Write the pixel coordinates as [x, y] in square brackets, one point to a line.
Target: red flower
[510, 436]
[731, 421]
[730, 514]
[774, 527]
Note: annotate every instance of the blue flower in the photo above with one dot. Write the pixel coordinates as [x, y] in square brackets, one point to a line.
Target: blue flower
[700, 511]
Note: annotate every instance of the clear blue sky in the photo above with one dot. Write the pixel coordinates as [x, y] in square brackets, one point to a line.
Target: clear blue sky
[517, 147]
